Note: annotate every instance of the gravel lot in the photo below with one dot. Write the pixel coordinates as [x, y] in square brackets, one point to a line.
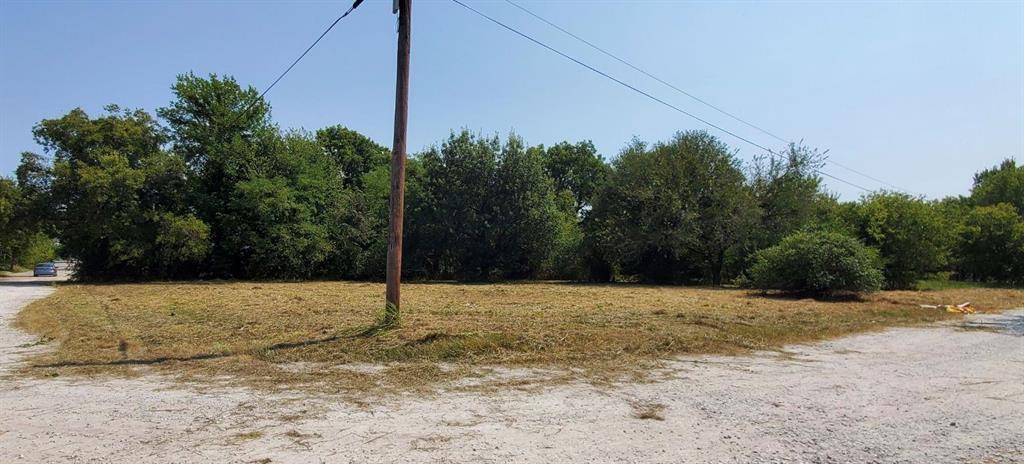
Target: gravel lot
[936, 394]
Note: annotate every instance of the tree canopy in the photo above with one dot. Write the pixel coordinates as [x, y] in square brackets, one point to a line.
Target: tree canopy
[673, 211]
[211, 187]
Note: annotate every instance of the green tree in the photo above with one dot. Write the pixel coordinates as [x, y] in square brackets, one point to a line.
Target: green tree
[10, 199]
[451, 225]
[673, 211]
[485, 210]
[34, 177]
[25, 215]
[279, 215]
[1000, 184]
[526, 222]
[789, 196]
[267, 197]
[359, 227]
[35, 248]
[576, 168]
[788, 192]
[353, 153]
[990, 246]
[109, 191]
[275, 233]
[225, 136]
[910, 234]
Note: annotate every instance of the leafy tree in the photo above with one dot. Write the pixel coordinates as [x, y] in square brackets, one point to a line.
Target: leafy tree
[35, 248]
[787, 191]
[789, 196]
[576, 168]
[486, 210]
[910, 234]
[571, 256]
[212, 117]
[267, 197]
[21, 242]
[25, 215]
[526, 222]
[451, 224]
[179, 240]
[225, 136]
[1001, 184]
[817, 263]
[673, 211]
[34, 176]
[358, 225]
[279, 215]
[10, 199]
[275, 234]
[106, 212]
[991, 244]
[353, 153]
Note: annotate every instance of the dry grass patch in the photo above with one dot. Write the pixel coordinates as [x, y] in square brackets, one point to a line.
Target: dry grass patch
[246, 436]
[649, 411]
[304, 335]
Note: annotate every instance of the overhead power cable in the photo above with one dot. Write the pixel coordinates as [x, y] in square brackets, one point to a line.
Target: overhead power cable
[352, 8]
[318, 39]
[641, 71]
[688, 94]
[641, 92]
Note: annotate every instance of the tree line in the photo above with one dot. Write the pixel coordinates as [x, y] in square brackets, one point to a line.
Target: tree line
[210, 187]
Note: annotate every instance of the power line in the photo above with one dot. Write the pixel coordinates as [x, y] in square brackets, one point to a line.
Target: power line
[635, 68]
[318, 39]
[641, 92]
[688, 94]
[252, 104]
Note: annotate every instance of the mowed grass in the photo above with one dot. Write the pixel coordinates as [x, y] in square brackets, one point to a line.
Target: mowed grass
[308, 335]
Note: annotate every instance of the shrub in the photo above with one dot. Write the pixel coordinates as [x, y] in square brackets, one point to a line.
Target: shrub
[816, 263]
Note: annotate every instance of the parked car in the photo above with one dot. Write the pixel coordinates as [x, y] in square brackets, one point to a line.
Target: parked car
[44, 270]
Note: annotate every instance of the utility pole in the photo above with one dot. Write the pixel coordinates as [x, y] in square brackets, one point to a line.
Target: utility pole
[397, 204]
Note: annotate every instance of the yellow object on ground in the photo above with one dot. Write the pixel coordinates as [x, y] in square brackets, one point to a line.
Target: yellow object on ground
[965, 308]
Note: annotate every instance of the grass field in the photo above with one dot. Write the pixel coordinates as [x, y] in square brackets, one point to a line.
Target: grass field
[306, 335]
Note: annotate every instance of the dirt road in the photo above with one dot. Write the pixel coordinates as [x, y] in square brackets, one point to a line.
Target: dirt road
[930, 395]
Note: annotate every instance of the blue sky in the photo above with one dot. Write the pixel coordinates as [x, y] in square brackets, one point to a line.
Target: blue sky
[918, 94]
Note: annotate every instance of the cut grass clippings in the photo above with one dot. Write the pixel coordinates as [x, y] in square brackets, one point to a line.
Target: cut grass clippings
[312, 335]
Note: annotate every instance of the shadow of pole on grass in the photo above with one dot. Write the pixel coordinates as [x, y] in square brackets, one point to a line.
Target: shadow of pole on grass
[370, 331]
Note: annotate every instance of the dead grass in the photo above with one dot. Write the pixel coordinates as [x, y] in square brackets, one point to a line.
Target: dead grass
[649, 411]
[305, 335]
[246, 436]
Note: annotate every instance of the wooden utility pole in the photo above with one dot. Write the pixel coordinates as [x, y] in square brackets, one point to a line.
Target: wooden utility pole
[397, 204]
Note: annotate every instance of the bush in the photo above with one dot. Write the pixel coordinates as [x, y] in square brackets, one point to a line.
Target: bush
[816, 263]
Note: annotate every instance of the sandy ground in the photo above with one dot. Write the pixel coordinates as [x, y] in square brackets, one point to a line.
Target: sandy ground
[931, 395]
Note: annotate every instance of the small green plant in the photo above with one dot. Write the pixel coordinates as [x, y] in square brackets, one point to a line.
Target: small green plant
[390, 318]
[816, 263]
[386, 321]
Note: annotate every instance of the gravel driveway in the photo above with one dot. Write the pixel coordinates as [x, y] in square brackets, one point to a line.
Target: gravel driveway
[929, 395]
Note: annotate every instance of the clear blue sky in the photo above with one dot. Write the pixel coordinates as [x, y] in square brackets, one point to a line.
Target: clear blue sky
[919, 94]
